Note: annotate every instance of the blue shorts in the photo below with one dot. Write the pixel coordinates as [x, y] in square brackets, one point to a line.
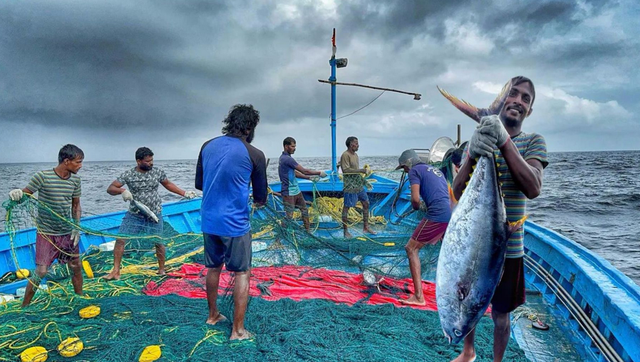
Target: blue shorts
[350, 199]
[136, 224]
[234, 252]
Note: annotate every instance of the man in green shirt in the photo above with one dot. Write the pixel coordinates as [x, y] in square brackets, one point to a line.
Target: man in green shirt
[56, 237]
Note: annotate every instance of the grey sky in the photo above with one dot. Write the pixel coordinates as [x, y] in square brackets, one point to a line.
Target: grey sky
[113, 76]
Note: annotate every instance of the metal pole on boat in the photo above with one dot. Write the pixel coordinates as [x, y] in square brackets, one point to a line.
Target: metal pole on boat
[334, 63]
[332, 79]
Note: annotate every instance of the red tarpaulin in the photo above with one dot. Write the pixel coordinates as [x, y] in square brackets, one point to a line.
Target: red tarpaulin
[297, 283]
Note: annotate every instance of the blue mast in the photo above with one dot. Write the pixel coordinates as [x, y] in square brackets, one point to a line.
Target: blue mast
[332, 79]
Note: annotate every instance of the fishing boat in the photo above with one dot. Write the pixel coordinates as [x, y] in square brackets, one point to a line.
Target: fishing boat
[591, 309]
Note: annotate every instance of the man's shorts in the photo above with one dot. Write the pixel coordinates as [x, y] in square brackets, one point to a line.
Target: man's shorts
[291, 202]
[429, 232]
[233, 252]
[52, 247]
[350, 199]
[510, 293]
[138, 224]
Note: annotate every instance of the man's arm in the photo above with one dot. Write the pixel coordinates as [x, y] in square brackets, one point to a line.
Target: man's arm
[200, 170]
[526, 174]
[115, 188]
[76, 210]
[305, 173]
[258, 176]
[415, 196]
[172, 187]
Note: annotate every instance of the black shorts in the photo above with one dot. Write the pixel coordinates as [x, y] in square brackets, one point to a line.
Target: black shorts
[510, 293]
[234, 252]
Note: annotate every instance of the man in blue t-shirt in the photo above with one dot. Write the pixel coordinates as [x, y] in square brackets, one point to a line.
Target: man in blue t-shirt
[226, 166]
[428, 183]
[288, 170]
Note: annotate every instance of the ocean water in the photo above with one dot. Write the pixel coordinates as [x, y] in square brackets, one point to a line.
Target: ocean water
[592, 198]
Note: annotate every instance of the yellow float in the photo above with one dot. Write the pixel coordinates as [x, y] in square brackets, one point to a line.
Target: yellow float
[89, 312]
[34, 354]
[150, 353]
[70, 347]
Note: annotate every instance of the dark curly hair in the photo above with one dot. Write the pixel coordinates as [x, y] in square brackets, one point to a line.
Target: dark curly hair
[143, 152]
[241, 120]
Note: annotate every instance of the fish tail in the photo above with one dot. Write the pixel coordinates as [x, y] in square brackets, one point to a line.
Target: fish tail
[515, 225]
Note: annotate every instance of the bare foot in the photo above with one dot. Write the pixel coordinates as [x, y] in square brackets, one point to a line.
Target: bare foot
[413, 301]
[368, 231]
[114, 275]
[239, 336]
[161, 272]
[218, 318]
[347, 235]
[464, 357]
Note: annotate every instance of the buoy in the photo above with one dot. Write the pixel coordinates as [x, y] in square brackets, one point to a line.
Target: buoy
[22, 273]
[34, 354]
[87, 269]
[89, 312]
[150, 353]
[70, 347]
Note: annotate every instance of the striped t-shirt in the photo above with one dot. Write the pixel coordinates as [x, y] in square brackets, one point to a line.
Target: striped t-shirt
[531, 146]
[56, 193]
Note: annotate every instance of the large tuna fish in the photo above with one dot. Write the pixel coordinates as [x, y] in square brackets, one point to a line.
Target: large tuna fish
[475, 243]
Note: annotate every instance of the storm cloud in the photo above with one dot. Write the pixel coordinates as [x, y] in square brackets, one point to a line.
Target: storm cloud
[112, 76]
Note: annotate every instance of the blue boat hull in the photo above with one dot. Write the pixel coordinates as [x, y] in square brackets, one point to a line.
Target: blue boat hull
[600, 304]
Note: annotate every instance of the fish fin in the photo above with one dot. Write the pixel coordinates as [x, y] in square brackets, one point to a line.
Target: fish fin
[513, 226]
[464, 106]
[452, 197]
[498, 103]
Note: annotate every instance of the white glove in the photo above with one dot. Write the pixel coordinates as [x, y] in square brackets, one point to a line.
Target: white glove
[16, 194]
[126, 195]
[492, 125]
[481, 144]
[314, 178]
[75, 237]
[367, 170]
[323, 174]
[190, 195]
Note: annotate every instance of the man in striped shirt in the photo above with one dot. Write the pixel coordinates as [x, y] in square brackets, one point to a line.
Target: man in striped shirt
[57, 237]
[521, 158]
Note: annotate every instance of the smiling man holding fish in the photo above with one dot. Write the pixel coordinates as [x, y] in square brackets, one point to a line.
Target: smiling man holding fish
[145, 210]
[520, 159]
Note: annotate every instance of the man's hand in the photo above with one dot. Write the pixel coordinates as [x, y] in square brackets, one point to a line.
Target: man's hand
[481, 144]
[257, 205]
[75, 237]
[126, 195]
[314, 178]
[423, 206]
[190, 195]
[492, 125]
[323, 174]
[367, 170]
[16, 194]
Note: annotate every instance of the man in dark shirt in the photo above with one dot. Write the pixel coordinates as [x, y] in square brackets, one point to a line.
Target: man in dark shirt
[288, 171]
[428, 183]
[226, 166]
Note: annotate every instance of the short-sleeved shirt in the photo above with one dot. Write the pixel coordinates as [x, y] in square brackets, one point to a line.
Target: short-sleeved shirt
[287, 172]
[352, 180]
[57, 194]
[144, 187]
[434, 191]
[226, 167]
[531, 146]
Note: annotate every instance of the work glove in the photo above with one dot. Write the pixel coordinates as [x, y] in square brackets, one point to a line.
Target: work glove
[492, 125]
[481, 144]
[126, 195]
[190, 195]
[423, 206]
[75, 237]
[323, 174]
[16, 194]
[314, 178]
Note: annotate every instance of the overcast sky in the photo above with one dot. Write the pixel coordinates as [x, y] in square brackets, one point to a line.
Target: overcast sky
[110, 76]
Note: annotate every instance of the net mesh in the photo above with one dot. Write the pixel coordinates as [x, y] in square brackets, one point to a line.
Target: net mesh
[314, 295]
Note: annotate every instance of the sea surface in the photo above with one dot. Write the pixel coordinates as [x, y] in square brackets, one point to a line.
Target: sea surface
[592, 198]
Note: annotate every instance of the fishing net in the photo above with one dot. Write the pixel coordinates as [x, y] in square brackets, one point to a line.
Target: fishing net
[314, 295]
